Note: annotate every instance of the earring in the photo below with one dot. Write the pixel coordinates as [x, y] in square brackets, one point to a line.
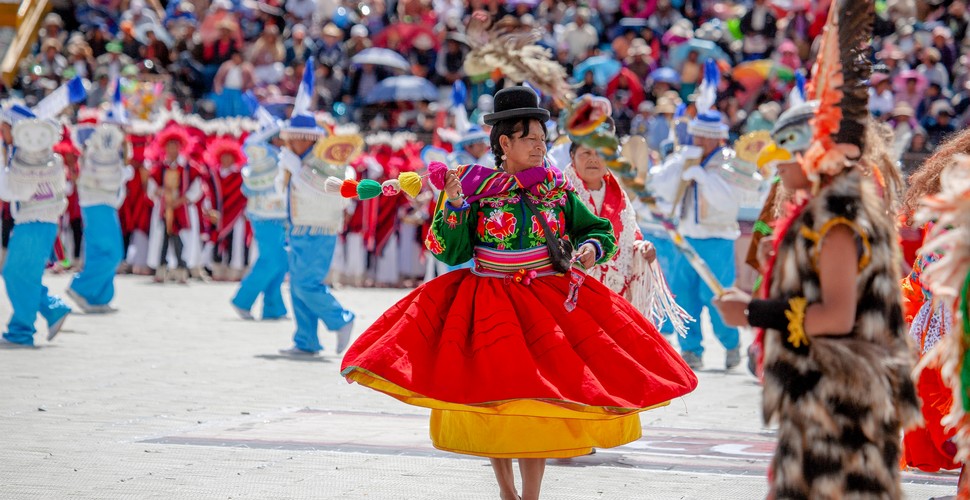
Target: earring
[504, 157]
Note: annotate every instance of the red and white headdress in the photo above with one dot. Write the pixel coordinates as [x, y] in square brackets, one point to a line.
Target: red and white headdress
[221, 146]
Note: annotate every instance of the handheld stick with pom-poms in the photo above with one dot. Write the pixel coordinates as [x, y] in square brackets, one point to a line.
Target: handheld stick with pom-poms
[410, 183]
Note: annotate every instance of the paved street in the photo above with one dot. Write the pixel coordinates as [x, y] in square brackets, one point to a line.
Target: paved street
[174, 397]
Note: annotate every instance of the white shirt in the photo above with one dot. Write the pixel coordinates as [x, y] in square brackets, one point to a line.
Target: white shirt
[579, 40]
[599, 196]
[881, 104]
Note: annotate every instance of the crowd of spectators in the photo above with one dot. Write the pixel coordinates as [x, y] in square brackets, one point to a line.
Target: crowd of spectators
[209, 54]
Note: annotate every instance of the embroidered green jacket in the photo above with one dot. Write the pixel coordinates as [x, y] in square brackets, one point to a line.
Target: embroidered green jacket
[504, 222]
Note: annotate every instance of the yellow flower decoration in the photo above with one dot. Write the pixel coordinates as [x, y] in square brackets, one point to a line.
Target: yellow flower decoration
[796, 322]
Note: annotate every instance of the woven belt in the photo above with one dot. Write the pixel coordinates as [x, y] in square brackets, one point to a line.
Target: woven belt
[522, 264]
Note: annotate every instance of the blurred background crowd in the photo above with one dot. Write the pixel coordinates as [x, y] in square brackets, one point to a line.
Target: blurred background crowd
[389, 66]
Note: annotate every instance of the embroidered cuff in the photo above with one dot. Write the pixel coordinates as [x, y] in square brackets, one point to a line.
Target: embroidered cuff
[464, 206]
[596, 244]
[786, 316]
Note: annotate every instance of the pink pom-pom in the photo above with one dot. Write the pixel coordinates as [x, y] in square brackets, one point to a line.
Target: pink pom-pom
[436, 174]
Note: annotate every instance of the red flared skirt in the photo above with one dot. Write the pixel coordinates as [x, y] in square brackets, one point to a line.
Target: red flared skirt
[929, 446]
[488, 348]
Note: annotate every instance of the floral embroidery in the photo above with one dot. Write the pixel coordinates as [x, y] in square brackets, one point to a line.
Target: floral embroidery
[500, 201]
[556, 221]
[452, 220]
[433, 244]
[551, 199]
[551, 220]
[500, 225]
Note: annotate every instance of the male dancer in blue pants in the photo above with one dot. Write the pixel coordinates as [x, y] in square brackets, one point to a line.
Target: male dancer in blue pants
[699, 182]
[35, 185]
[266, 211]
[101, 190]
[316, 218]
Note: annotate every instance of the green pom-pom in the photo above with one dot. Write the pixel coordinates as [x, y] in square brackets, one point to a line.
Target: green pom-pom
[368, 189]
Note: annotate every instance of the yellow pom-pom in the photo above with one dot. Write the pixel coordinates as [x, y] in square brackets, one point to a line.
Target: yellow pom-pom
[410, 183]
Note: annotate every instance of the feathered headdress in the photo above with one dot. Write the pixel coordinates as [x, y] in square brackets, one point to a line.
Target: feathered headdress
[838, 83]
[504, 50]
[222, 146]
[172, 132]
[707, 90]
[798, 94]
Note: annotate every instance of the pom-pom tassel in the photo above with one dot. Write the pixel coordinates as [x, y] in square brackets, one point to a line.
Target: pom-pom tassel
[334, 185]
[391, 187]
[369, 189]
[348, 188]
[436, 174]
[410, 183]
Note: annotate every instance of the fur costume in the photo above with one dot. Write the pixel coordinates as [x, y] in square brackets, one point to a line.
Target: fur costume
[841, 404]
[840, 401]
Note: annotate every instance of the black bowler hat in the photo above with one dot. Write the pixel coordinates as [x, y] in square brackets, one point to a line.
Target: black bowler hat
[515, 103]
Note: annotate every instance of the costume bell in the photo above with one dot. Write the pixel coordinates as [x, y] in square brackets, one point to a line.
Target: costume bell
[101, 190]
[266, 211]
[35, 185]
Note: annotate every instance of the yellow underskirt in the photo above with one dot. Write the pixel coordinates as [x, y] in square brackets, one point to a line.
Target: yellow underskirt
[520, 428]
[514, 436]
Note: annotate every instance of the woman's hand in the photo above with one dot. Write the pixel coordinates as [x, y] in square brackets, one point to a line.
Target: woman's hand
[732, 306]
[646, 250]
[766, 250]
[453, 188]
[587, 255]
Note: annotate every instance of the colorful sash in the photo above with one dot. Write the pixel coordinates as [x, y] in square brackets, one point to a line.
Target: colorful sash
[479, 182]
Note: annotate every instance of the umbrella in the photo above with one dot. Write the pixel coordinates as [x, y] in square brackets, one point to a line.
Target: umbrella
[754, 73]
[705, 49]
[209, 29]
[381, 57]
[141, 34]
[530, 3]
[402, 88]
[783, 7]
[899, 82]
[604, 68]
[633, 22]
[665, 75]
[405, 33]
